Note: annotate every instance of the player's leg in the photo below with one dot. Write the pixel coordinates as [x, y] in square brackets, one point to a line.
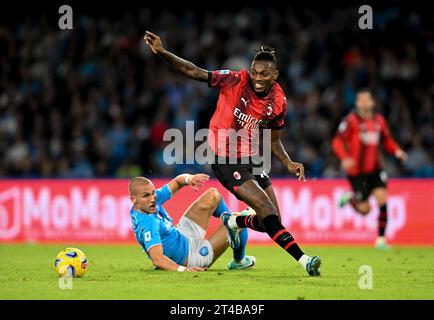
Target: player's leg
[380, 193]
[231, 176]
[358, 198]
[362, 207]
[240, 259]
[270, 193]
[240, 181]
[218, 241]
[204, 252]
[212, 203]
[239, 252]
[267, 215]
[238, 262]
[265, 183]
[203, 207]
[194, 223]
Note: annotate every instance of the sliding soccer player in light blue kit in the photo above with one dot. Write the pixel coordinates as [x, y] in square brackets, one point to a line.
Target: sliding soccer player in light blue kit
[183, 247]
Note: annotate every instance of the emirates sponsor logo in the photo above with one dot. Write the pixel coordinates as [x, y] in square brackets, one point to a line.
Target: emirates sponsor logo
[247, 121]
[370, 138]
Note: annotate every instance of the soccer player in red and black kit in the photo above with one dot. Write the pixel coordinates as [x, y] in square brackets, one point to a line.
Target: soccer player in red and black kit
[356, 144]
[251, 101]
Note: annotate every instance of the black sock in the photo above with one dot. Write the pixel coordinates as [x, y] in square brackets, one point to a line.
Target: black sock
[281, 236]
[250, 221]
[382, 220]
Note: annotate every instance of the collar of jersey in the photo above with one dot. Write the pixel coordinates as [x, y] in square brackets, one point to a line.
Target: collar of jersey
[142, 212]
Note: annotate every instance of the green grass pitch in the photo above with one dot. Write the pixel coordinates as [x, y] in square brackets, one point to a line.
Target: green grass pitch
[123, 272]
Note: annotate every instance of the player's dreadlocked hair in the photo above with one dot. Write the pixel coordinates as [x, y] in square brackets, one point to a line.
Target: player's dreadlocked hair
[266, 53]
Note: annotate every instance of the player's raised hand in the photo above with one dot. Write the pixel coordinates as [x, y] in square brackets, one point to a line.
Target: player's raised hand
[198, 180]
[195, 269]
[297, 169]
[154, 42]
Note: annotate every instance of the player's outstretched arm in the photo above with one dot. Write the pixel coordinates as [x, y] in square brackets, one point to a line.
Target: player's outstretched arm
[389, 143]
[401, 155]
[195, 181]
[162, 262]
[185, 67]
[279, 152]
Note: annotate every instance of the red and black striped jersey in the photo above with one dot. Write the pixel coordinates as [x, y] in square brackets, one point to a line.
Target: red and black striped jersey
[241, 110]
[359, 139]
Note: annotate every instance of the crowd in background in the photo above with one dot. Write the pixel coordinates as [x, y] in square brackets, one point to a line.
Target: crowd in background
[95, 102]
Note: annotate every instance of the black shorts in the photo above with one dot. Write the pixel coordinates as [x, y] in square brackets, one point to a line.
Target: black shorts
[363, 184]
[232, 176]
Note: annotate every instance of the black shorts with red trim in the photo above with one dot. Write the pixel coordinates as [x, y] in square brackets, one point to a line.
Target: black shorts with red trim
[231, 176]
[363, 184]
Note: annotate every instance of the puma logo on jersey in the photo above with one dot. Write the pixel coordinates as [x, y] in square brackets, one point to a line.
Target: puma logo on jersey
[264, 174]
[245, 101]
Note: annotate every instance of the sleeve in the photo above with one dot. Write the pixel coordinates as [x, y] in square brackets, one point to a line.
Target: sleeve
[150, 234]
[223, 78]
[389, 144]
[278, 122]
[163, 194]
[339, 140]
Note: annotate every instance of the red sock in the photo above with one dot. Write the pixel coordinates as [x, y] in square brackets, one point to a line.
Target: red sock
[382, 220]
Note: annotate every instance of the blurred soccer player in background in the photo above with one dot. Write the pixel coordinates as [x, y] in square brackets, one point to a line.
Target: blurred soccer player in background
[251, 101]
[356, 144]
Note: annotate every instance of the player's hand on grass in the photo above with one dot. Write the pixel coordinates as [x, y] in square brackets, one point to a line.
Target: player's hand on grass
[198, 180]
[401, 155]
[297, 169]
[347, 163]
[195, 269]
[154, 42]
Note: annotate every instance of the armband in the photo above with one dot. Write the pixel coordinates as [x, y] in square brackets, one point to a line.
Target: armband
[188, 178]
[181, 269]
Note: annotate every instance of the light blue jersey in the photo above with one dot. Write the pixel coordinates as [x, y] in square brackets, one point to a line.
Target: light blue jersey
[157, 228]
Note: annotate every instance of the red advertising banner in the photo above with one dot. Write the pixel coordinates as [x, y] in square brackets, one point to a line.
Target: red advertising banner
[98, 211]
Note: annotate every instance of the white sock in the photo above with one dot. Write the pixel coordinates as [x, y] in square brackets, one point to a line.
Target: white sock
[304, 260]
[380, 240]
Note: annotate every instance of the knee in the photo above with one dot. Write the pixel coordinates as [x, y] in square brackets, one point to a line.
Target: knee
[382, 201]
[381, 196]
[364, 208]
[213, 196]
[266, 208]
